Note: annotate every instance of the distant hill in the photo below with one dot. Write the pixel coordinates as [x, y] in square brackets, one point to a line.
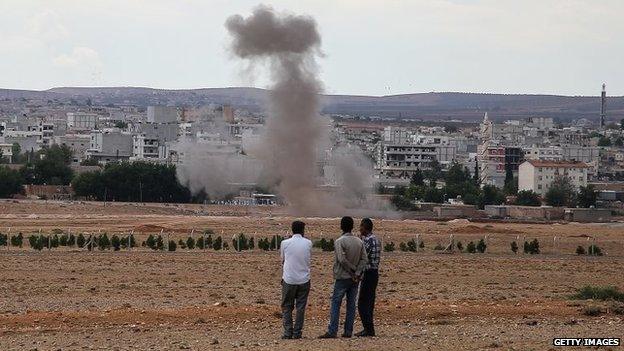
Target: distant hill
[426, 106]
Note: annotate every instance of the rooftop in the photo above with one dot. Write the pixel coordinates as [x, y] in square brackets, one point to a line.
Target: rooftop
[558, 164]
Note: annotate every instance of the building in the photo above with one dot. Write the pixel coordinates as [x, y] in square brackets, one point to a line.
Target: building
[399, 157]
[147, 148]
[6, 152]
[110, 145]
[491, 161]
[538, 176]
[82, 121]
[162, 114]
[78, 143]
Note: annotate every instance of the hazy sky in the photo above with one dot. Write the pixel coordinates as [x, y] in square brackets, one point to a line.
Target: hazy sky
[371, 47]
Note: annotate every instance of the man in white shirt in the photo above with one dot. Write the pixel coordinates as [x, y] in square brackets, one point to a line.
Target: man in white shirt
[295, 253]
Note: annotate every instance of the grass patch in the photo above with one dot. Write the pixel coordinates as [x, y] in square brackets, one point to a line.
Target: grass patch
[602, 293]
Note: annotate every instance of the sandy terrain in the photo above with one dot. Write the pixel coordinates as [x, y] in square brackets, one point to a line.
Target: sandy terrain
[67, 299]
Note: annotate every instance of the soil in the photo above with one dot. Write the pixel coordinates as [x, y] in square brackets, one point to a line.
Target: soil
[72, 299]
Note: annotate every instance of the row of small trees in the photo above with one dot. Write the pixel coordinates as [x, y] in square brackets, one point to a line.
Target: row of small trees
[101, 241]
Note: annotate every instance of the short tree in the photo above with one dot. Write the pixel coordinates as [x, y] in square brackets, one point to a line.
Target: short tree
[481, 246]
[460, 246]
[160, 243]
[561, 193]
[190, 243]
[527, 198]
[71, 241]
[403, 247]
[514, 247]
[594, 250]
[389, 246]
[471, 247]
[172, 246]
[17, 240]
[150, 242]
[103, 242]
[217, 244]
[200, 243]
[115, 242]
[580, 250]
[80, 240]
[411, 245]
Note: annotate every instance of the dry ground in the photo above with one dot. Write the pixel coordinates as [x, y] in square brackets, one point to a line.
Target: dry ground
[142, 300]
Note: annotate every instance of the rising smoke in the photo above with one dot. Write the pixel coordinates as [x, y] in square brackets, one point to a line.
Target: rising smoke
[294, 154]
[290, 45]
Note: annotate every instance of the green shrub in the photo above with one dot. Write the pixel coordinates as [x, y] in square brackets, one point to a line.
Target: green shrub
[54, 241]
[17, 240]
[471, 247]
[421, 244]
[532, 247]
[580, 250]
[251, 244]
[460, 246]
[514, 247]
[190, 243]
[389, 246]
[411, 245]
[3, 239]
[115, 242]
[481, 246]
[240, 242]
[71, 240]
[182, 244]
[80, 240]
[592, 311]
[403, 246]
[594, 250]
[217, 244]
[264, 244]
[172, 246]
[36, 242]
[330, 246]
[103, 242]
[200, 243]
[160, 244]
[602, 293]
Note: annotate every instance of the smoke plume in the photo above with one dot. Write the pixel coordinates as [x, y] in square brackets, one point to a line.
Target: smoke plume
[289, 44]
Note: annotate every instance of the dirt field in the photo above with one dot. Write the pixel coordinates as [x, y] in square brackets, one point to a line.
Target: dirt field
[70, 299]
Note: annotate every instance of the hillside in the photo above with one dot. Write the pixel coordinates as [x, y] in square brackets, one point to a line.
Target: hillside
[427, 106]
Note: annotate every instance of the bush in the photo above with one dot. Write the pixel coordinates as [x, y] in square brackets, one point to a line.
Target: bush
[217, 244]
[580, 250]
[71, 240]
[471, 247]
[54, 241]
[389, 247]
[460, 246]
[80, 240]
[172, 246]
[403, 247]
[17, 240]
[264, 244]
[240, 242]
[481, 246]
[411, 245]
[182, 244]
[592, 311]
[594, 250]
[103, 242]
[200, 243]
[150, 242]
[3, 239]
[36, 242]
[190, 243]
[514, 247]
[603, 293]
[421, 244]
[160, 244]
[329, 247]
[532, 247]
[115, 242]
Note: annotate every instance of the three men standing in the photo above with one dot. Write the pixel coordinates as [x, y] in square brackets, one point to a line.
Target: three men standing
[356, 264]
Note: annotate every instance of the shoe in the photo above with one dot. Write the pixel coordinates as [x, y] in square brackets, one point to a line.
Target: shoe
[286, 337]
[345, 335]
[364, 334]
[327, 336]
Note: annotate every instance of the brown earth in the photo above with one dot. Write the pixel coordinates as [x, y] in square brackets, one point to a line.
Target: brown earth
[71, 299]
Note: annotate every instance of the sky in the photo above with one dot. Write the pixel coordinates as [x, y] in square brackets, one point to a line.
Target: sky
[371, 47]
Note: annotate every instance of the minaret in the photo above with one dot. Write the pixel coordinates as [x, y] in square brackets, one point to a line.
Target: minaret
[603, 105]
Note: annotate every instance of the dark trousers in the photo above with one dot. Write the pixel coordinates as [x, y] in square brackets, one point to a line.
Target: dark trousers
[294, 296]
[366, 300]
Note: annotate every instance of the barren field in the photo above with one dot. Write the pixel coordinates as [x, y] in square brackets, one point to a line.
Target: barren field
[71, 299]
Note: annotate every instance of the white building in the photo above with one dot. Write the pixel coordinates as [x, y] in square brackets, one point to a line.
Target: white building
[544, 153]
[145, 148]
[399, 156]
[538, 175]
[82, 121]
[6, 152]
[162, 114]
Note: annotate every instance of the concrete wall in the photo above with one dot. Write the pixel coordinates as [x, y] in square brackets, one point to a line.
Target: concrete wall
[456, 211]
[587, 214]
